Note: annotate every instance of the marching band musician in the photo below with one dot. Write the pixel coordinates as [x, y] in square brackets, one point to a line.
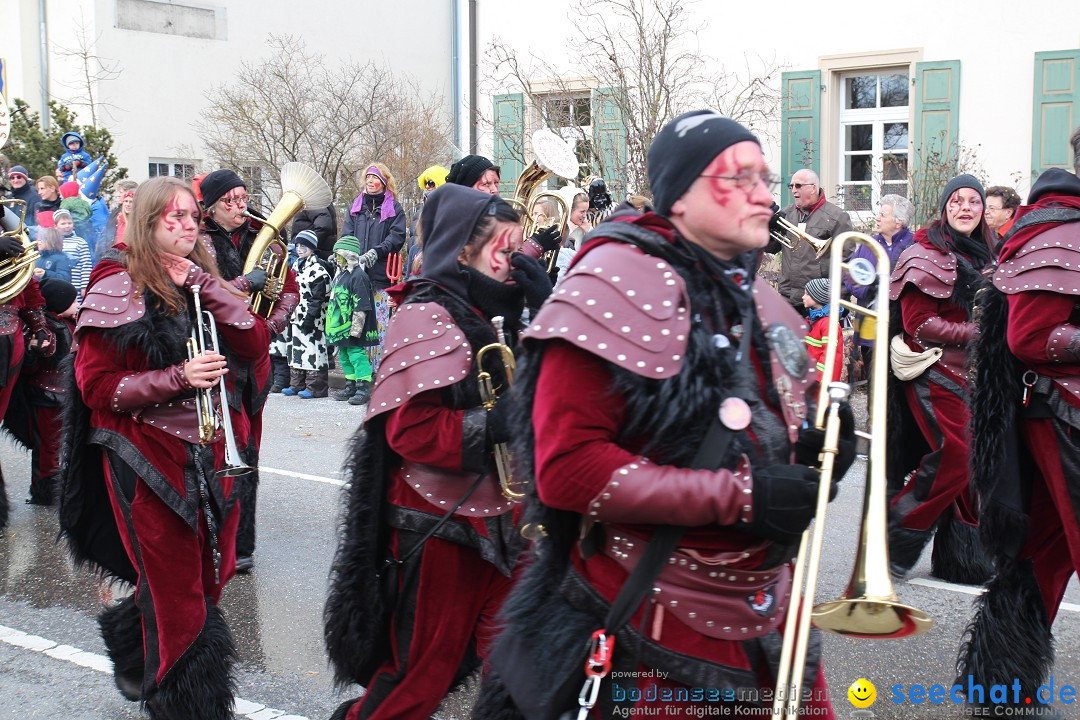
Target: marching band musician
[25, 310]
[935, 281]
[1025, 419]
[665, 387]
[231, 230]
[141, 499]
[429, 541]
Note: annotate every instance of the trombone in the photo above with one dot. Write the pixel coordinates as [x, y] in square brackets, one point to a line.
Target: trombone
[204, 339]
[869, 608]
[489, 395]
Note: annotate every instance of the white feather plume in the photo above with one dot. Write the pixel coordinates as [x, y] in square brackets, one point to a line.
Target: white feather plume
[303, 180]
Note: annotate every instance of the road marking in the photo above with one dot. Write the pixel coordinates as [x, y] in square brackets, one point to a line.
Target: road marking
[972, 590]
[100, 663]
[301, 476]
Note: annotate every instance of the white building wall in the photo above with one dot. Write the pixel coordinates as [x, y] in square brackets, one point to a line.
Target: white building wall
[995, 40]
[161, 89]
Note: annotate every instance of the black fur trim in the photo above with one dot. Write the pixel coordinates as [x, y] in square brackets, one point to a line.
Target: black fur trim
[1009, 637]
[343, 709]
[121, 629]
[356, 619]
[959, 555]
[245, 491]
[84, 509]
[5, 509]
[494, 701]
[200, 684]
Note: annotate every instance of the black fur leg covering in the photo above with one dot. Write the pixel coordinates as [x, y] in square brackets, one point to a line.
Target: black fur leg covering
[343, 709]
[200, 684]
[121, 628]
[494, 701]
[245, 489]
[1009, 637]
[4, 509]
[905, 547]
[959, 555]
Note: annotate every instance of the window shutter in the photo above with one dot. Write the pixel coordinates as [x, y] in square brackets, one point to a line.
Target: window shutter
[800, 117]
[1057, 99]
[937, 112]
[509, 140]
[609, 137]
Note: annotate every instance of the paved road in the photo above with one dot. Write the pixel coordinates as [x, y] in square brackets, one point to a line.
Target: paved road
[275, 611]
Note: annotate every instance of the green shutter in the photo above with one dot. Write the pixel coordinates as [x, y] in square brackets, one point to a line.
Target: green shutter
[609, 137]
[509, 139]
[937, 112]
[800, 116]
[1057, 100]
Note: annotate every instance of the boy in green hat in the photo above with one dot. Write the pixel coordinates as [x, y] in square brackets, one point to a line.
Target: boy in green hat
[350, 321]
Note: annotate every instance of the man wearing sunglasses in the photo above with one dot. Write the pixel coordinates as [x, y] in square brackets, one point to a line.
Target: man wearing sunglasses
[21, 189]
[823, 220]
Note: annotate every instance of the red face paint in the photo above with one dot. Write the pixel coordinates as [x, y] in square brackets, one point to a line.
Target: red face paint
[498, 252]
[169, 220]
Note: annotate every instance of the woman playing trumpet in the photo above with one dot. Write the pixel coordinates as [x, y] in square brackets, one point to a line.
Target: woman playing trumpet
[424, 500]
[137, 458]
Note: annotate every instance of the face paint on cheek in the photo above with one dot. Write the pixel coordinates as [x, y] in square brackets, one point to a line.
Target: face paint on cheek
[498, 261]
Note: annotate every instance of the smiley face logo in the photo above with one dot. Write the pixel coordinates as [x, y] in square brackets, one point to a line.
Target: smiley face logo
[862, 693]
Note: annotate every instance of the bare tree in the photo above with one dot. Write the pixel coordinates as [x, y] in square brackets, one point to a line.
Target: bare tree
[643, 53]
[295, 106]
[93, 70]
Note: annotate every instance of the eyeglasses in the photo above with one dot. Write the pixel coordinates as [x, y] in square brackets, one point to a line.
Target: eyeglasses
[749, 179]
[235, 200]
[800, 186]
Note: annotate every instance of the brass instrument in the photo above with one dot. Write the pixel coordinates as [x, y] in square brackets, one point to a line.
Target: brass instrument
[15, 272]
[554, 156]
[489, 395]
[301, 186]
[204, 339]
[784, 232]
[869, 608]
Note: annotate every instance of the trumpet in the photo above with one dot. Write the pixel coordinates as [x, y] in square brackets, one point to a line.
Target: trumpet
[789, 235]
[869, 608]
[488, 396]
[203, 339]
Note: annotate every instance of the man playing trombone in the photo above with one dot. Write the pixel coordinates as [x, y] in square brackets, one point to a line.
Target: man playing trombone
[666, 389]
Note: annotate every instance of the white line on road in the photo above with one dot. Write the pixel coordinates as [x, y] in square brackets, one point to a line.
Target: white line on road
[301, 476]
[972, 590]
[100, 663]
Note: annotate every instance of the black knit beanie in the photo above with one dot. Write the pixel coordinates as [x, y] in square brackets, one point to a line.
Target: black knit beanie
[58, 294]
[684, 148]
[961, 181]
[469, 169]
[218, 183]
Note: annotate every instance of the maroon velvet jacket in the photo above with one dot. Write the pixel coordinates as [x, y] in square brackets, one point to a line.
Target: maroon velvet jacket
[99, 372]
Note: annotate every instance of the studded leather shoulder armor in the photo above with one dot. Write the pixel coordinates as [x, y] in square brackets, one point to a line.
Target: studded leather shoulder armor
[930, 270]
[111, 302]
[1050, 261]
[622, 305]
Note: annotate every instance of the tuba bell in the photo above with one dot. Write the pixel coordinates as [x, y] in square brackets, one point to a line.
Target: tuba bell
[15, 272]
[301, 186]
[554, 156]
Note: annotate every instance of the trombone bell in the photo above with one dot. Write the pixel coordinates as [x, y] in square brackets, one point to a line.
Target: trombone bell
[789, 235]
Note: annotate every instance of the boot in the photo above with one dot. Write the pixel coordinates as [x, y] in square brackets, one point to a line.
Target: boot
[279, 368]
[905, 547]
[363, 393]
[318, 384]
[297, 380]
[41, 491]
[4, 509]
[346, 392]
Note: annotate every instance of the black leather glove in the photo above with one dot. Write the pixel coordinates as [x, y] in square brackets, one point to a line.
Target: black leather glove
[499, 427]
[785, 499]
[811, 440]
[530, 276]
[308, 326]
[10, 246]
[548, 238]
[257, 278]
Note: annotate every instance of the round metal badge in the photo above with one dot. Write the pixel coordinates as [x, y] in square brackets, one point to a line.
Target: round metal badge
[735, 413]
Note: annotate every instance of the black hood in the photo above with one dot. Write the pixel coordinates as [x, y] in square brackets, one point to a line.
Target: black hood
[1054, 181]
[450, 214]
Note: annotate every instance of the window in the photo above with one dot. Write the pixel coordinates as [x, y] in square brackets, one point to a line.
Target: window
[571, 118]
[874, 138]
[183, 169]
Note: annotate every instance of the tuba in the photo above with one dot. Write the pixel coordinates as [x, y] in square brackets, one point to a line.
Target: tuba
[870, 607]
[489, 395]
[301, 186]
[554, 156]
[15, 272]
